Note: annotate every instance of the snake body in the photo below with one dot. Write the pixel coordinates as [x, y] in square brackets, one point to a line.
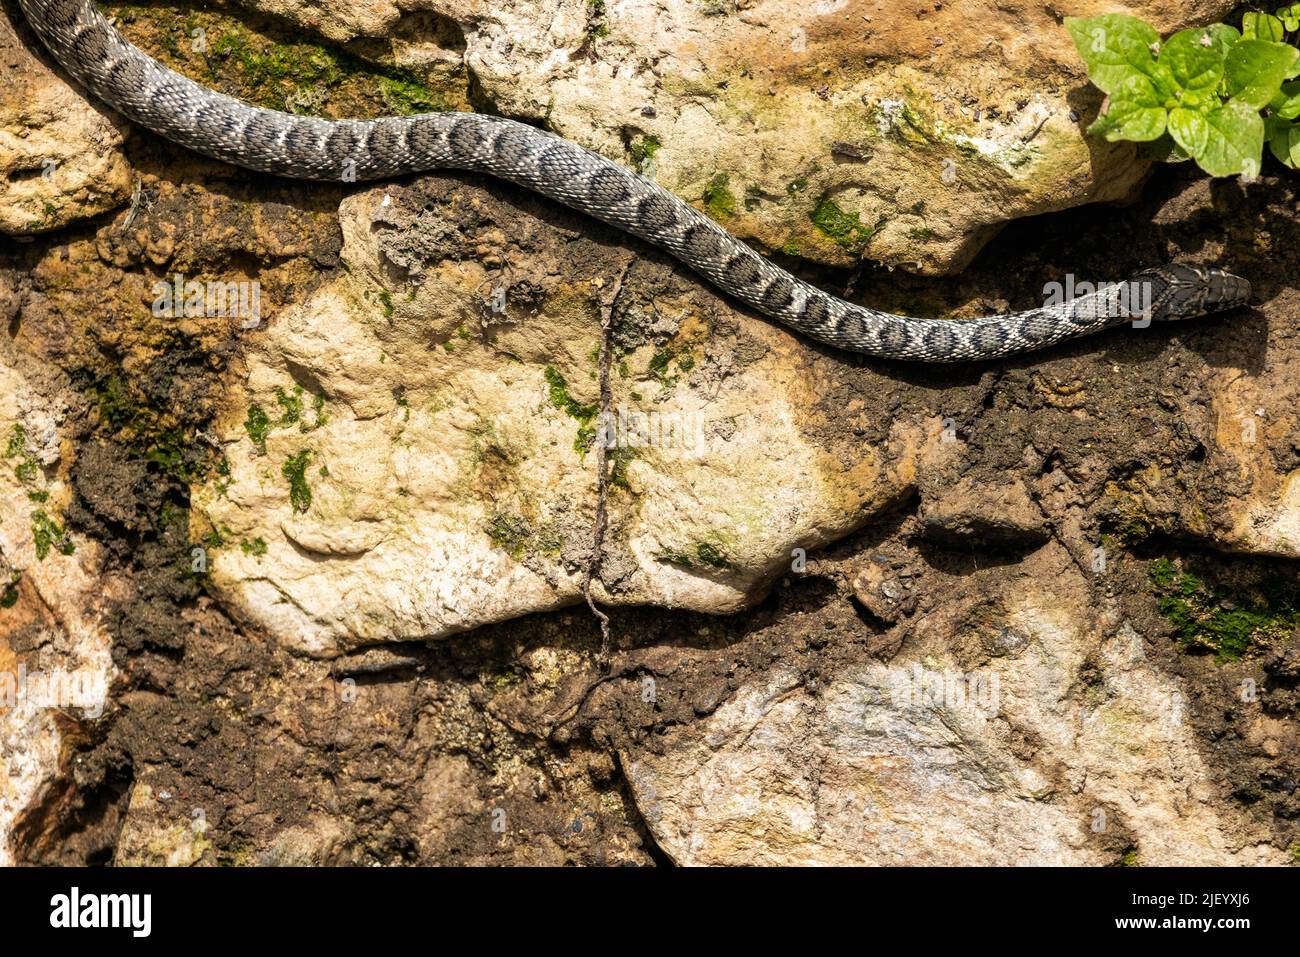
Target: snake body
[303, 147]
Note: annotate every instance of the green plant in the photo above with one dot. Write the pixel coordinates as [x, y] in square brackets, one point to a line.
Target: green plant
[1215, 619]
[1213, 94]
[47, 534]
[9, 598]
[294, 470]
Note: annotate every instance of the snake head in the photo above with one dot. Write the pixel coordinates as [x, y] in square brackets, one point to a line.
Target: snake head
[1179, 291]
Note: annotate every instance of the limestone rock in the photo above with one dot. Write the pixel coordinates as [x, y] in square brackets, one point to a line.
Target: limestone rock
[404, 463]
[54, 654]
[160, 831]
[884, 584]
[832, 131]
[976, 512]
[60, 156]
[1057, 746]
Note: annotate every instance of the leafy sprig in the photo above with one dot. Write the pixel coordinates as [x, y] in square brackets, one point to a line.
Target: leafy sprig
[1213, 94]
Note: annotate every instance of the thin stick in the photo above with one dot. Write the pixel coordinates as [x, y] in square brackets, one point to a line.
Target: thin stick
[602, 461]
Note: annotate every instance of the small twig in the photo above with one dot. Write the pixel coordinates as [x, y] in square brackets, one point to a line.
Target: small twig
[136, 194]
[602, 461]
[1037, 129]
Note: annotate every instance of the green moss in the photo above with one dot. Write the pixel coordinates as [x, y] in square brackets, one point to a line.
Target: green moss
[386, 298]
[667, 359]
[1130, 858]
[48, 534]
[560, 398]
[583, 413]
[26, 468]
[510, 532]
[256, 546]
[258, 426]
[1163, 572]
[17, 444]
[287, 72]
[621, 457]
[643, 150]
[318, 409]
[710, 554]
[491, 447]
[274, 65]
[147, 432]
[718, 199]
[224, 480]
[659, 362]
[291, 402]
[405, 95]
[294, 470]
[1219, 621]
[596, 25]
[844, 229]
[9, 594]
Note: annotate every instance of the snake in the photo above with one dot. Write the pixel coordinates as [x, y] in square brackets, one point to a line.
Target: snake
[282, 144]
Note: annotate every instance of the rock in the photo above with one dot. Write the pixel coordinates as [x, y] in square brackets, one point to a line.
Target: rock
[160, 831]
[312, 845]
[55, 667]
[426, 465]
[984, 514]
[61, 156]
[827, 131]
[832, 132]
[1240, 491]
[1063, 748]
[426, 412]
[884, 585]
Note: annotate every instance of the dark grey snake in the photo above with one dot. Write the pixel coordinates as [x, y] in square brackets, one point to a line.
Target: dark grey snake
[227, 129]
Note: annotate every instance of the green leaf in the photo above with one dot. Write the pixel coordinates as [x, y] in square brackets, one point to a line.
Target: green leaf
[1254, 70]
[1135, 113]
[1190, 130]
[1223, 36]
[1287, 102]
[1115, 47]
[1262, 26]
[1290, 16]
[1284, 141]
[1194, 60]
[1235, 144]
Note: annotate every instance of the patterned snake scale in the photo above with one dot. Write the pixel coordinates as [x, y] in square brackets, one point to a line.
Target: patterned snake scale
[182, 111]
